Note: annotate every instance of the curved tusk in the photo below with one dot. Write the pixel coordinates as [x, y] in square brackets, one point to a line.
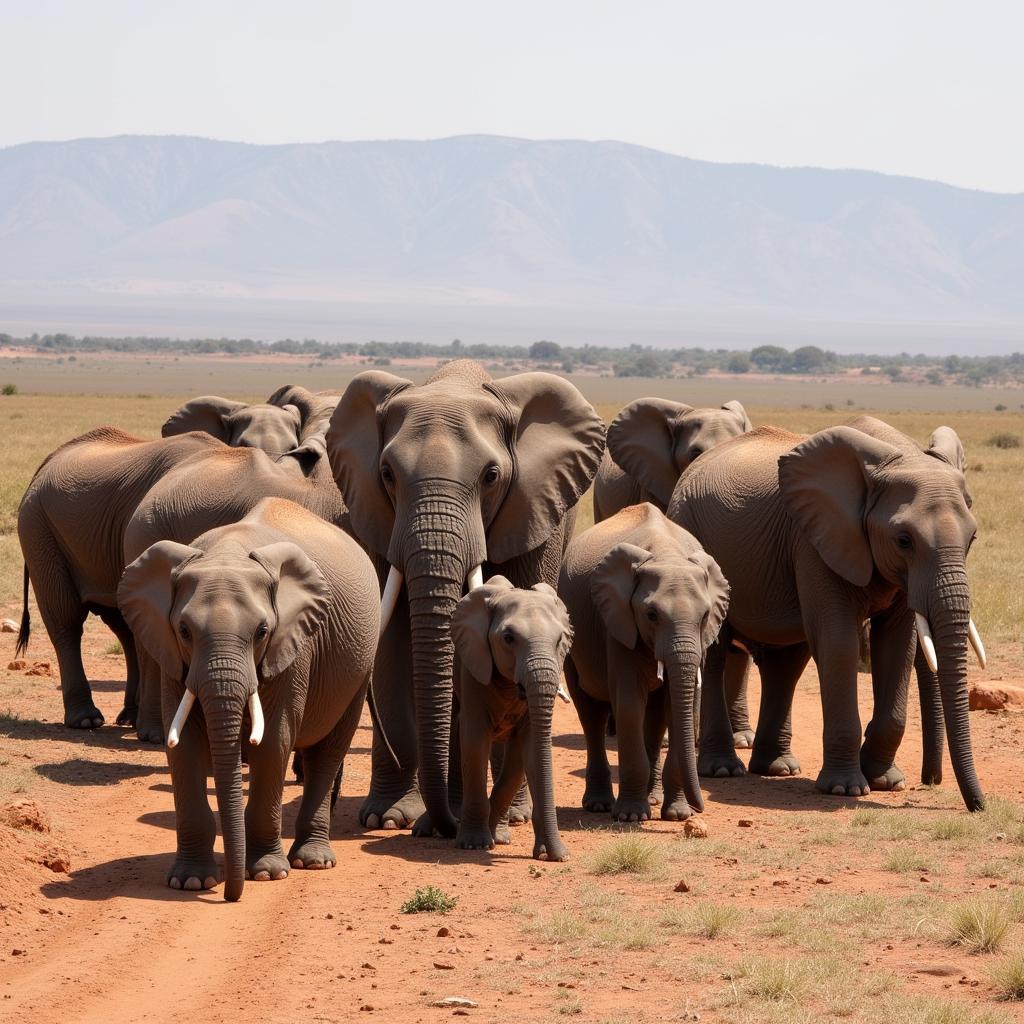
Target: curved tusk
[661, 670]
[700, 681]
[256, 714]
[975, 637]
[475, 578]
[563, 694]
[924, 636]
[174, 733]
[392, 589]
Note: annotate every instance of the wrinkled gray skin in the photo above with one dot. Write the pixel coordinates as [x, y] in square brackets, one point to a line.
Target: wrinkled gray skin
[440, 478]
[651, 442]
[71, 524]
[640, 590]
[832, 530]
[511, 646]
[280, 603]
[214, 489]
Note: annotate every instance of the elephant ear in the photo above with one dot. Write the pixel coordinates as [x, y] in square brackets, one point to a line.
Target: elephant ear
[557, 443]
[945, 444]
[718, 597]
[741, 414]
[354, 442]
[611, 587]
[641, 440]
[300, 597]
[209, 413]
[825, 484]
[145, 596]
[471, 628]
[562, 613]
[309, 453]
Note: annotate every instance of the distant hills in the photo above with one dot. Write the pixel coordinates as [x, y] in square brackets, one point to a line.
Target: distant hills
[496, 226]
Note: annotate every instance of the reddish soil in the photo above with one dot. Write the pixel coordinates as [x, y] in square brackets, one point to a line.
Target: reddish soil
[107, 941]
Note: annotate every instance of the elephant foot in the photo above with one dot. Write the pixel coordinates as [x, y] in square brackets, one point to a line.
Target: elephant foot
[521, 810]
[313, 855]
[83, 716]
[378, 811]
[297, 771]
[656, 794]
[631, 810]
[720, 766]
[842, 782]
[773, 764]
[193, 875]
[931, 776]
[677, 810]
[598, 798]
[555, 850]
[425, 827]
[270, 867]
[891, 780]
[743, 739]
[502, 836]
[128, 716]
[151, 733]
[477, 837]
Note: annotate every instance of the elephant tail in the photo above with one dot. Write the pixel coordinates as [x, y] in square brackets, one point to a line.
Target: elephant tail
[379, 726]
[26, 622]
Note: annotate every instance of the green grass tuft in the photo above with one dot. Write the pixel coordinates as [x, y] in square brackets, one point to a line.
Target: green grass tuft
[430, 900]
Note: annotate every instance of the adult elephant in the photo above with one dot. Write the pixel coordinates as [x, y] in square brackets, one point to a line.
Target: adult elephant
[458, 478]
[651, 442]
[816, 535]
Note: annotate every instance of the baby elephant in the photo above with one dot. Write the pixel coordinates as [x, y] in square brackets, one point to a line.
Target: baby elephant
[511, 646]
[275, 617]
[647, 601]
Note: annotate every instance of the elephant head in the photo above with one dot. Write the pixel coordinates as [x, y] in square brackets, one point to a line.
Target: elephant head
[441, 477]
[672, 606]
[274, 428]
[221, 620]
[523, 636]
[654, 439]
[875, 511]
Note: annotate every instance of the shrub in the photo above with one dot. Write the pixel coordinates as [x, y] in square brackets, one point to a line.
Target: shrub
[9, 389]
[429, 900]
[1004, 440]
[978, 927]
[627, 855]
[1008, 977]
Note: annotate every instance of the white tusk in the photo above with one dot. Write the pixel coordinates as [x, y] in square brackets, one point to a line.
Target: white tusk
[475, 578]
[924, 636]
[661, 670]
[975, 637]
[256, 714]
[564, 694]
[392, 589]
[700, 681]
[174, 733]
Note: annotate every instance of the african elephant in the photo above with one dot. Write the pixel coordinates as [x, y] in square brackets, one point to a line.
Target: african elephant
[646, 602]
[816, 535]
[511, 645]
[213, 489]
[650, 443]
[71, 524]
[440, 479]
[278, 614]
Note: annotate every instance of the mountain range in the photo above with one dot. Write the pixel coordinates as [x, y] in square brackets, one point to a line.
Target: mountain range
[499, 224]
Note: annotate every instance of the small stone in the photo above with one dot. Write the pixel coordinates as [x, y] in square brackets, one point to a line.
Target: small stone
[330, 916]
[56, 860]
[8, 626]
[443, 965]
[460, 1013]
[18, 665]
[1001, 837]
[382, 941]
[682, 886]
[745, 823]
[823, 881]
[924, 878]
[40, 668]
[366, 1007]
[396, 927]
[780, 882]
[443, 932]
[368, 966]
[694, 828]
[983, 697]
[519, 956]
[454, 1001]
[18, 952]
[25, 814]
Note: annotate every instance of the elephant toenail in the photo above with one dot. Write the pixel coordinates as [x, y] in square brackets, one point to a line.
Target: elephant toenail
[193, 884]
[281, 874]
[389, 825]
[261, 876]
[209, 882]
[175, 883]
[296, 863]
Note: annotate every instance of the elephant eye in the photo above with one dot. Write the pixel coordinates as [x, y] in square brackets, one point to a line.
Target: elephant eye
[491, 475]
[386, 475]
[261, 631]
[184, 632]
[652, 615]
[508, 637]
[904, 541]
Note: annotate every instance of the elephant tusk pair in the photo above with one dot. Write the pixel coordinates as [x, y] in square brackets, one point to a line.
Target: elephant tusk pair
[189, 698]
[924, 635]
[661, 674]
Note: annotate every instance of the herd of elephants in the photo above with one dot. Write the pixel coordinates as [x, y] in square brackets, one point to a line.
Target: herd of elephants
[269, 567]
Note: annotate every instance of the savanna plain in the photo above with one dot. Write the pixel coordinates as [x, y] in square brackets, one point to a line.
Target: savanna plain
[794, 907]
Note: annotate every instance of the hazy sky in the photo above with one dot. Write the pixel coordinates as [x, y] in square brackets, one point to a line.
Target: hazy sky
[922, 87]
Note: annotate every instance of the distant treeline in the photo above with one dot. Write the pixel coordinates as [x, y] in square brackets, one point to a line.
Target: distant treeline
[631, 361]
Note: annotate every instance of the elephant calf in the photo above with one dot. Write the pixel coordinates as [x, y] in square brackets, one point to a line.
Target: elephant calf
[277, 615]
[647, 601]
[511, 646]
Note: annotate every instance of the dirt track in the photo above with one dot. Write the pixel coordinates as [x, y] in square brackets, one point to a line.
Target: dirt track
[109, 942]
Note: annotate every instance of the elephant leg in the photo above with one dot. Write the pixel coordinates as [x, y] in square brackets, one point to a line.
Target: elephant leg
[150, 726]
[717, 757]
[507, 784]
[114, 621]
[80, 711]
[520, 809]
[593, 715]
[629, 689]
[737, 672]
[780, 668]
[933, 721]
[893, 646]
[264, 857]
[322, 764]
[194, 866]
[455, 780]
[655, 725]
[394, 800]
[475, 747]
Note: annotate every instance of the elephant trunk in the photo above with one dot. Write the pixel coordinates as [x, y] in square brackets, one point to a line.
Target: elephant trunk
[438, 555]
[541, 685]
[932, 721]
[949, 611]
[681, 667]
[223, 690]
